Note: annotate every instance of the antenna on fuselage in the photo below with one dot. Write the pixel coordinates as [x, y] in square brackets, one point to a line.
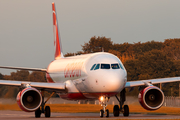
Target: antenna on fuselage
[102, 49]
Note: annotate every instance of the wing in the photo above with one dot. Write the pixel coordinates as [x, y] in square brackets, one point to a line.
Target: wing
[56, 87]
[23, 68]
[151, 81]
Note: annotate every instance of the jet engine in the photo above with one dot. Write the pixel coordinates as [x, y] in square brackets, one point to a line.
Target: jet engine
[29, 99]
[151, 98]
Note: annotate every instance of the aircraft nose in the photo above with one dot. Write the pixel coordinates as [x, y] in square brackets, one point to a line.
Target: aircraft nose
[115, 81]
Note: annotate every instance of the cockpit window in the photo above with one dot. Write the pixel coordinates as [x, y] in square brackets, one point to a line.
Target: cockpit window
[97, 67]
[93, 66]
[121, 66]
[115, 66]
[105, 66]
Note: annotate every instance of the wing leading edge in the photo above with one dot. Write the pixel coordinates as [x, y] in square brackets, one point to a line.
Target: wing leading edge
[24, 68]
[151, 81]
[56, 87]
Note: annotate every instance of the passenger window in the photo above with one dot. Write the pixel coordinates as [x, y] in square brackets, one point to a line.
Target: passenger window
[115, 66]
[97, 67]
[105, 66]
[93, 66]
[121, 66]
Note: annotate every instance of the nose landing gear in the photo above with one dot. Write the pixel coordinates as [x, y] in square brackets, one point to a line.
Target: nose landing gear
[121, 108]
[103, 100]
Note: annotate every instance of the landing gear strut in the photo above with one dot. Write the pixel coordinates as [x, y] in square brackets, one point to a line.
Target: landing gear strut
[103, 100]
[124, 109]
[44, 109]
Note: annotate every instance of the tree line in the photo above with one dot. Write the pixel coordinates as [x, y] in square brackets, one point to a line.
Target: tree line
[142, 61]
[20, 75]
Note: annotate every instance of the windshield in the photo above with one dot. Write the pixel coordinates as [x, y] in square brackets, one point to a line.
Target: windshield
[121, 66]
[115, 66]
[97, 67]
[93, 66]
[105, 66]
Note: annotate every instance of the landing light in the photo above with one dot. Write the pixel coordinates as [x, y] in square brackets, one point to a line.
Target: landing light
[101, 98]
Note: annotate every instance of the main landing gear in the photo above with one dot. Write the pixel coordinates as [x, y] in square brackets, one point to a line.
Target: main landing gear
[44, 109]
[104, 111]
[124, 109]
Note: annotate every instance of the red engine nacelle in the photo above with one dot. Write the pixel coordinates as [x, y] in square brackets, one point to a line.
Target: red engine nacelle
[151, 98]
[29, 99]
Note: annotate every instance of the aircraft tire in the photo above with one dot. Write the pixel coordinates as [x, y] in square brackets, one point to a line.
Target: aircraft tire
[116, 110]
[101, 113]
[107, 113]
[38, 113]
[47, 111]
[126, 111]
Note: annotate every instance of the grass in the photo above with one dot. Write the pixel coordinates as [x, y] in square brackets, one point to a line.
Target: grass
[78, 108]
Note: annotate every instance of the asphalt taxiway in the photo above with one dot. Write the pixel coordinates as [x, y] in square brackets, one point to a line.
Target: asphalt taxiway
[21, 115]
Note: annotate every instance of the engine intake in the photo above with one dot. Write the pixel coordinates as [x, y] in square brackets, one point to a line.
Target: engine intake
[29, 99]
[151, 98]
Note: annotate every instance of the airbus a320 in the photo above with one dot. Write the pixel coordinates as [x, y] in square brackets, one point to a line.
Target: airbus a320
[93, 76]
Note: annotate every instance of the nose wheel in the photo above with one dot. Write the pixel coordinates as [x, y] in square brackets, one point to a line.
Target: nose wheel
[103, 100]
[101, 113]
[107, 113]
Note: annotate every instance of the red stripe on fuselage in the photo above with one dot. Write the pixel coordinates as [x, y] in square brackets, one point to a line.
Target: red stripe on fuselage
[82, 96]
[98, 94]
[73, 96]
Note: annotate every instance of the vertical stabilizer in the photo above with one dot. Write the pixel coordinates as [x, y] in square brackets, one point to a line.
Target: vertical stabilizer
[57, 38]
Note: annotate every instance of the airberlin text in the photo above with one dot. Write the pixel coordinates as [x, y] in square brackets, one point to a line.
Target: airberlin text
[73, 70]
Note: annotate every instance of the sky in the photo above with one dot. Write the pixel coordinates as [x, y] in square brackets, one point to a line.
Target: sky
[26, 30]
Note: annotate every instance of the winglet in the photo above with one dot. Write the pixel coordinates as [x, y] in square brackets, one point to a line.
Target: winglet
[57, 38]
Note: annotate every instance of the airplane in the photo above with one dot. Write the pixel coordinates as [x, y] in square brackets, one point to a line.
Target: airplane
[91, 76]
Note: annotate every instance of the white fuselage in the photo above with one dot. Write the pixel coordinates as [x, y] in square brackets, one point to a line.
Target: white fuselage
[108, 77]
